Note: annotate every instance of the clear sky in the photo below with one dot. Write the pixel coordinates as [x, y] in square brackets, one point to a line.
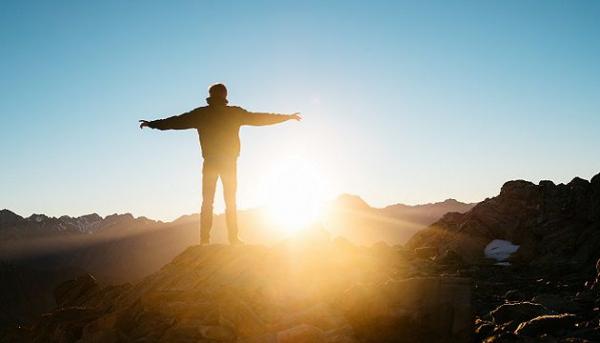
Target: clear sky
[406, 102]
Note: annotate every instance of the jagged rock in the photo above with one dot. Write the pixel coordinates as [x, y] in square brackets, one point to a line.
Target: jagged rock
[518, 312]
[549, 324]
[552, 224]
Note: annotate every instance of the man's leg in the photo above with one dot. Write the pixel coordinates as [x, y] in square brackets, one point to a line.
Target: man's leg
[229, 180]
[209, 184]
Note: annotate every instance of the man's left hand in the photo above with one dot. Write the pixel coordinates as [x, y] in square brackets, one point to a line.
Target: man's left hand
[144, 123]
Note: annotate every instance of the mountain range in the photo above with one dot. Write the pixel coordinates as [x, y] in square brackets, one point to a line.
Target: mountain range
[347, 216]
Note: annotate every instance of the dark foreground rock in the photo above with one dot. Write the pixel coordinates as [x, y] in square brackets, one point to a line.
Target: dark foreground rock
[548, 290]
[519, 311]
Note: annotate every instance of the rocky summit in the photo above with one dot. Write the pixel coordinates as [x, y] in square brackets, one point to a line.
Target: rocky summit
[551, 224]
[300, 291]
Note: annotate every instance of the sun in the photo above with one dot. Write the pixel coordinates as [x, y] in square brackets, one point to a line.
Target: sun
[295, 194]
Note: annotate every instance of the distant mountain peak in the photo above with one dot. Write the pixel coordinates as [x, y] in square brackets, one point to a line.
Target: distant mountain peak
[9, 218]
[36, 217]
[41, 225]
[352, 201]
[448, 202]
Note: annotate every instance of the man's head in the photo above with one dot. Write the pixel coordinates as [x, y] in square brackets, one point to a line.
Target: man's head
[217, 94]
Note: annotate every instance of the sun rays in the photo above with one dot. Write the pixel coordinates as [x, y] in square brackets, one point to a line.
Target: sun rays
[295, 194]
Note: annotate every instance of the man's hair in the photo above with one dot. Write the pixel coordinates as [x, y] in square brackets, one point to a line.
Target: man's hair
[218, 90]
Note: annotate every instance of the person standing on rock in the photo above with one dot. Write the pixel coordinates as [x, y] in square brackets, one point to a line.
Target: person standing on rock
[218, 127]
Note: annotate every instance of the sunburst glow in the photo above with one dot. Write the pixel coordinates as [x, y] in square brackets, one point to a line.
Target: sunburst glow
[295, 194]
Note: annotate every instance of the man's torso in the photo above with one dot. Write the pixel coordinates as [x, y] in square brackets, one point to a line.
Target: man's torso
[218, 128]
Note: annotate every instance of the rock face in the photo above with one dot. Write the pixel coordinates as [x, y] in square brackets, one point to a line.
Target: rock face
[551, 224]
[294, 292]
[546, 290]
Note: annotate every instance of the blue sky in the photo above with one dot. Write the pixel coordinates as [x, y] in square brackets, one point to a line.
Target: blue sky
[407, 102]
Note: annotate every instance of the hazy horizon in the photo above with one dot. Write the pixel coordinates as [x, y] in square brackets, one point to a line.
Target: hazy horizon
[218, 213]
[402, 103]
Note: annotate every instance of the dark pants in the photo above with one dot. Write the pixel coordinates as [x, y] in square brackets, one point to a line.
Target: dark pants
[212, 169]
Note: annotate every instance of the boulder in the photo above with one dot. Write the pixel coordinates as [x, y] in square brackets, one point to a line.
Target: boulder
[556, 325]
[518, 312]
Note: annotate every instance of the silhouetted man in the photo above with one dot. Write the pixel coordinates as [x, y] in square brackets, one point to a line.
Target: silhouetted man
[218, 126]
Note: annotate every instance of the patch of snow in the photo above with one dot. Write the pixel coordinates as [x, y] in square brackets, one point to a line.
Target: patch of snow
[500, 250]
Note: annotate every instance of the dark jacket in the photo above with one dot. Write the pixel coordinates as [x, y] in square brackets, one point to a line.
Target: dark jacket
[218, 127]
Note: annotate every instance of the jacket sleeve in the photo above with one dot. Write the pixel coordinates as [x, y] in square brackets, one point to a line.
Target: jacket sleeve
[261, 119]
[180, 122]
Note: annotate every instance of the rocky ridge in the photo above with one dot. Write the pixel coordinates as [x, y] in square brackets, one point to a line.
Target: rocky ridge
[311, 290]
[14, 226]
[552, 224]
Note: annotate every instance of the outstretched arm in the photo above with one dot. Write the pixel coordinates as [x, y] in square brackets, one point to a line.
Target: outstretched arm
[180, 122]
[261, 119]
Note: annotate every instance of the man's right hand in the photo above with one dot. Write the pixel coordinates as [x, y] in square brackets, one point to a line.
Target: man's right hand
[144, 123]
[296, 116]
